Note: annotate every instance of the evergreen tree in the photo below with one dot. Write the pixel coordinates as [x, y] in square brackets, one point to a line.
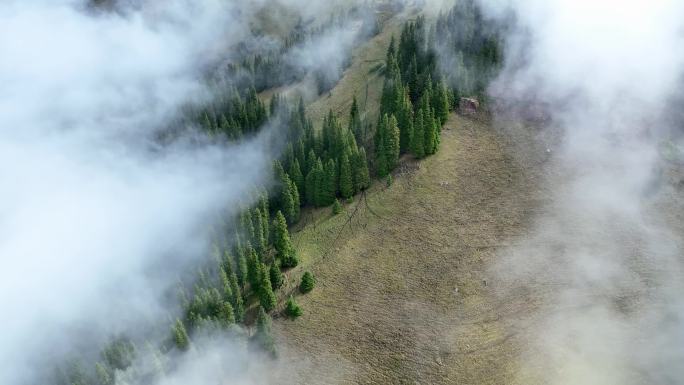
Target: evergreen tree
[276, 275]
[297, 177]
[391, 142]
[418, 137]
[287, 202]
[263, 335]
[292, 309]
[441, 104]
[284, 250]
[381, 160]
[337, 208]
[346, 183]
[259, 239]
[361, 174]
[227, 314]
[253, 269]
[355, 124]
[266, 297]
[295, 201]
[307, 283]
[180, 336]
[237, 302]
[243, 269]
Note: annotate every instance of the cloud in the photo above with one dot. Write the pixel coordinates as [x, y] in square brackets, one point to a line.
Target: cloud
[97, 219]
[605, 244]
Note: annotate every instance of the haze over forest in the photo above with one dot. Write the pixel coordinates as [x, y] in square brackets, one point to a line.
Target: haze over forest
[347, 191]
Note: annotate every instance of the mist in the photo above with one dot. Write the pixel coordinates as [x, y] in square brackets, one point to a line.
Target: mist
[98, 220]
[602, 260]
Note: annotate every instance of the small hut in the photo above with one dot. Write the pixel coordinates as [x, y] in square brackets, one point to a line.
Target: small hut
[468, 106]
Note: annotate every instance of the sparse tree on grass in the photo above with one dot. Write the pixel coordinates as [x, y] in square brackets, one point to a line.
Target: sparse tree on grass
[307, 283]
[292, 309]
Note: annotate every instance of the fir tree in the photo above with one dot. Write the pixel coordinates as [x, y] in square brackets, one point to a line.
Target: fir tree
[297, 177]
[418, 137]
[346, 183]
[284, 250]
[292, 309]
[361, 174]
[227, 314]
[263, 335]
[266, 297]
[307, 283]
[337, 208]
[180, 336]
[276, 275]
[391, 142]
[237, 301]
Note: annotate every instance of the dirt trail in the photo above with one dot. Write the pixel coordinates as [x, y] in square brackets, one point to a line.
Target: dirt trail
[403, 294]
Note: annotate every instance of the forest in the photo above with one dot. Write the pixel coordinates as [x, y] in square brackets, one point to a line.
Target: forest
[322, 164]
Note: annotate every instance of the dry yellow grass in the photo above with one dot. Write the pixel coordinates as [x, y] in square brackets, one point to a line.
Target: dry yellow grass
[402, 294]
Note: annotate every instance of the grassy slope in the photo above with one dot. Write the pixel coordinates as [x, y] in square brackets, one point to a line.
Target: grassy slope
[402, 295]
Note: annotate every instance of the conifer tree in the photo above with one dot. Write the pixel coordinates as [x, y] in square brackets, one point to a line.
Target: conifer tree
[418, 137]
[287, 202]
[266, 297]
[337, 208]
[381, 160]
[391, 142]
[307, 283]
[276, 275]
[295, 201]
[361, 174]
[237, 301]
[259, 239]
[292, 309]
[243, 269]
[227, 314]
[355, 124]
[331, 179]
[180, 336]
[311, 187]
[253, 269]
[346, 182]
[263, 335]
[284, 250]
[297, 177]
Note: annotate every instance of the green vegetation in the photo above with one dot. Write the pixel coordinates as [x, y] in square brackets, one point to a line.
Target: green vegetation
[292, 309]
[307, 283]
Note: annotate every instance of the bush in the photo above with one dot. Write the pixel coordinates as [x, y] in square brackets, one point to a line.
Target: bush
[292, 309]
[307, 283]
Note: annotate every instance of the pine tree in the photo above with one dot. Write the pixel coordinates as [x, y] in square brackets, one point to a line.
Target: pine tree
[346, 183]
[297, 177]
[294, 192]
[355, 124]
[337, 208]
[391, 142]
[180, 336]
[441, 104]
[259, 239]
[266, 297]
[361, 174]
[284, 250]
[418, 137]
[287, 202]
[292, 309]
[227, 314]
[253, 269]
[237, 302]
[243, 269]
[430, 129]
[381, 160]
[307, 283]
[263, 335]
[276, 275]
